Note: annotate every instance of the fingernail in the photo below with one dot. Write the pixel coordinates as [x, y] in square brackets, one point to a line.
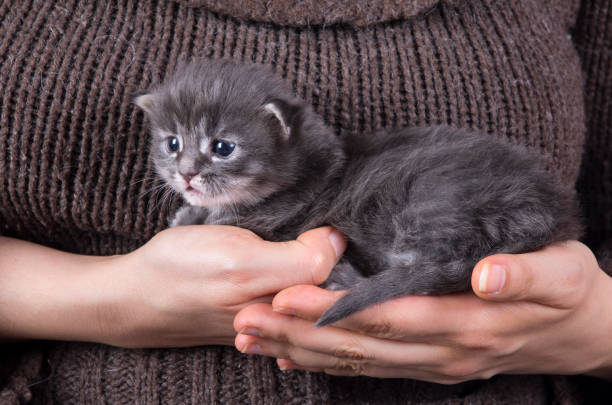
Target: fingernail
[492, 278]
[252, 348]
[285, 365]
[250, 332]
[284, 311]
[338, 242]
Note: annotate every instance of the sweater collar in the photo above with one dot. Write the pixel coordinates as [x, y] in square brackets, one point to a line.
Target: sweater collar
[317, 12]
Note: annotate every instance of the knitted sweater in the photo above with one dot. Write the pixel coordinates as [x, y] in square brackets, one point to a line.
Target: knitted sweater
[73, 151]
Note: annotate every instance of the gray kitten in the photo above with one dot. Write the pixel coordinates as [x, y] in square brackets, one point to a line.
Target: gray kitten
[419, 206]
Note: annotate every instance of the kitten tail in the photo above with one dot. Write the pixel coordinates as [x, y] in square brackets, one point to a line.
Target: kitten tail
[418, 278]
[369, 291]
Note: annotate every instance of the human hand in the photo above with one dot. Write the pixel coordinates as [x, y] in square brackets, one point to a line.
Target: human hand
[551, 312]
[184, 287]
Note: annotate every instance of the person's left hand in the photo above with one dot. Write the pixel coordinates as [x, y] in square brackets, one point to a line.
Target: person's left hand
[544, 312]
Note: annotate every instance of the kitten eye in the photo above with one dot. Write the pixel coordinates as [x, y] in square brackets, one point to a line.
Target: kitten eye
[223, 148]
[173, 144]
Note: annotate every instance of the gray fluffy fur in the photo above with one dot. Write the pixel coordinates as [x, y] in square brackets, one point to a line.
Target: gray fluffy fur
[419, 206]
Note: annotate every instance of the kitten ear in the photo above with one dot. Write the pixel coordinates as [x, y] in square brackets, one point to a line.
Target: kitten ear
[285, 113]
[146, 102]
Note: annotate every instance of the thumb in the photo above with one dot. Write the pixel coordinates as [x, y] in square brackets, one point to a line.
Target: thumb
[322, 248]
[548, 276]
[307, 260]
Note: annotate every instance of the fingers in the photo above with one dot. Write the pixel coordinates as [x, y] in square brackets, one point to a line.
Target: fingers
[305, 301]
[295, 338]
[553, 276]
[338, 351]
[302, 359]
[413, 318]
[373, 371]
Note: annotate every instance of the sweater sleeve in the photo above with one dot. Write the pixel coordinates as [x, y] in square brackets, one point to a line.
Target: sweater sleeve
[593, 38]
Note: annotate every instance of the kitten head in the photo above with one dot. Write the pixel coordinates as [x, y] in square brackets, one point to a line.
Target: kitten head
[224, 133]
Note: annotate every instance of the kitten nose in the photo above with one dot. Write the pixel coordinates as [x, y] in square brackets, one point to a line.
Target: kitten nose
[188, 176]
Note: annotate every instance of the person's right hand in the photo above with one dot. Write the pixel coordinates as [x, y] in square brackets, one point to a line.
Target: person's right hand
[184, 287]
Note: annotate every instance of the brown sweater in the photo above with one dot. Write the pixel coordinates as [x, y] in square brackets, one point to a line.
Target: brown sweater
[73, 150]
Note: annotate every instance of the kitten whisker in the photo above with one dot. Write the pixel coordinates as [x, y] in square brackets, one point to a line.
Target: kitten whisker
[163, 194]
[152, 190]
[144, 179]
[171, 195]
[233, 205]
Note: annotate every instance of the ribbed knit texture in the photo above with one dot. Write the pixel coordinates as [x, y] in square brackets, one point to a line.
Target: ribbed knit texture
[593, 36]
[317, 12]
[74, 170]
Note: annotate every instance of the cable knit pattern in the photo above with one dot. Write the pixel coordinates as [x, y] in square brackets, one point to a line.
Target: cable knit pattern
[75, 175]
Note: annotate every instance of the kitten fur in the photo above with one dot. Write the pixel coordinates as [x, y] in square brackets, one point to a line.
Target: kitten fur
[419, 206]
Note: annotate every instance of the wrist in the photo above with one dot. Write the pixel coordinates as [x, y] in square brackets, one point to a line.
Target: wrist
[89, 299]
[604, 367]
[49, 294]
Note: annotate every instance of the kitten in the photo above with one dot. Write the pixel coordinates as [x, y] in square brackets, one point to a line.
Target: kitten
[419, 206]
